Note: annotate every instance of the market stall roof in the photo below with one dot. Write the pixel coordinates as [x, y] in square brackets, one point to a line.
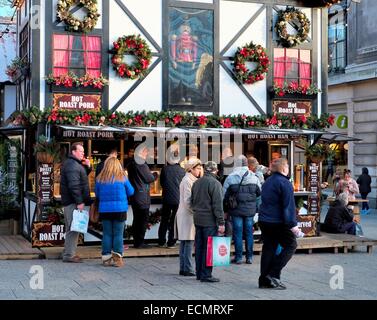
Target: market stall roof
[92, 128]
[333, 136]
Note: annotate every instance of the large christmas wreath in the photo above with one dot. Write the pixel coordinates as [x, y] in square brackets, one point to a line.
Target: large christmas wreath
[74, 24]
[296, 18]
[131, 45]
[250, 53]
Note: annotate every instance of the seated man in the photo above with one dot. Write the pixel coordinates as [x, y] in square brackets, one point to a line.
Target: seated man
[339, 218]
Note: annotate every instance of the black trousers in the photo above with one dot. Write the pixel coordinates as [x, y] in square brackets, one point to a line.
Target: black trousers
[272, 235]
[201, 240]
[167, 224]
[139, 224]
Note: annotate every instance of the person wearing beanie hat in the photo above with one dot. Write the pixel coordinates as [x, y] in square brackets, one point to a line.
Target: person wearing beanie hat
[207, 205]
[184, 222]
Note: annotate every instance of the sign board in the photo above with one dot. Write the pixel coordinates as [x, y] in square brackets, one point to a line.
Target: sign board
[45, 182]
[342, 122]
[84, 134]
[292, 108]
[261, 136]
[47, 234]
[307, 224]
[77, 101]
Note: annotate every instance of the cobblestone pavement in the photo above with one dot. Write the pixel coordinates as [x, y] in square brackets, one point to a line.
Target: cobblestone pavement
[306, 277]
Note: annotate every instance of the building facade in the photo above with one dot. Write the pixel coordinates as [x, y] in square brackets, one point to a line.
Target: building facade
[353, 82]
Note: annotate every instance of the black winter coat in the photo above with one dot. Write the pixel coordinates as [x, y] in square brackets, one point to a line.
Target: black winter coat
[74, 184]
[170, 179]
[140, 177]
[364, 182]
[337, 216]
[246, 199]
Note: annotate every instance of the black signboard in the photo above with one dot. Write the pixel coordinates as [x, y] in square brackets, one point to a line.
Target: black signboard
[47, 234]
[45, 182]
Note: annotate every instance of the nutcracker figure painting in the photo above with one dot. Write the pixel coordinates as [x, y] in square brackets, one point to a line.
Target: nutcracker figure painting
[191, 57]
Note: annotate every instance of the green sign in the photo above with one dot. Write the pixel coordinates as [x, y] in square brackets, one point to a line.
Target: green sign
[342, 122]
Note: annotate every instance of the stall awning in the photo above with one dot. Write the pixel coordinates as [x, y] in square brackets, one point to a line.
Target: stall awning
[334, 137]
[92, 128]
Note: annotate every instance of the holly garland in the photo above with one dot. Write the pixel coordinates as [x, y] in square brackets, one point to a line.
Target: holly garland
[70, 80]
[295, 88]
[131, 45]
[76, 25]
[250, 53]
[291, 16]
[173, 119]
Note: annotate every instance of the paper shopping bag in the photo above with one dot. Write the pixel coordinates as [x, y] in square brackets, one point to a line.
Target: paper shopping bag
[218, 251]
[80, 221]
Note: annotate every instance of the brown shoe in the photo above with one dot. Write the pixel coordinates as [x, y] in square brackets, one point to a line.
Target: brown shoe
[118, 260]
[74, 259]
[107, 260]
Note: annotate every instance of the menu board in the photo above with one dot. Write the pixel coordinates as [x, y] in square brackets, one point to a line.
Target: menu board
[314, 207]
[45, 182]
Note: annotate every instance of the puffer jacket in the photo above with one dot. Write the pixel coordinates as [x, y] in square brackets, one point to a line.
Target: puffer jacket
[170, 179]
[74, 184]
[247, 194]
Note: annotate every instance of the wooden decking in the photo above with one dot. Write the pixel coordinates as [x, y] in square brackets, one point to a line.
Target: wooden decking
[17, 247]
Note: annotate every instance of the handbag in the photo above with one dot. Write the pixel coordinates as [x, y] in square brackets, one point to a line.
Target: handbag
[80, 221]
[232, 198]
[218, 251]
[94, 213]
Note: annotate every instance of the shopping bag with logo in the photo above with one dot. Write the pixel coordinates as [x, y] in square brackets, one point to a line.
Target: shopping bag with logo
[218, 251]
[80, 221]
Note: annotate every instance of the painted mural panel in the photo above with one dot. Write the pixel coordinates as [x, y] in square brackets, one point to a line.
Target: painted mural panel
[191, 57]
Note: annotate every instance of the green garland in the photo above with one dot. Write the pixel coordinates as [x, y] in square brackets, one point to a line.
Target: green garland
[171, 119]
[285, 17]
[73, 24]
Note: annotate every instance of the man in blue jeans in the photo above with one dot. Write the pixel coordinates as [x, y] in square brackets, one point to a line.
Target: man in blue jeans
[245, 187]
[207, 204]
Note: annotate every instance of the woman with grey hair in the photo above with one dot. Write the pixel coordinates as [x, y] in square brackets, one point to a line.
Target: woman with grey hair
[339, 218]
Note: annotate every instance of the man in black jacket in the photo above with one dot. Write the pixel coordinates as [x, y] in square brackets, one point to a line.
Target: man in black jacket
[140, 177]
[207, 204]
[171, 176]
[74, 187]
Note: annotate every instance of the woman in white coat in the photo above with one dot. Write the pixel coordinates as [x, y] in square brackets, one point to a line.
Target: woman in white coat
[184, 221]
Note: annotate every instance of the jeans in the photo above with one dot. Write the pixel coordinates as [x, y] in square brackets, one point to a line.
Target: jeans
[241, 224]
[365, 204]
[201, 239]
[185, 255]
[139, 224]
[167, 224]
[112, 239]
[274, 234]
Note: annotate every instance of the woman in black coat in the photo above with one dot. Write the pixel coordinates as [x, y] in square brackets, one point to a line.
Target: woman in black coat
[364, 182]
[339, 218]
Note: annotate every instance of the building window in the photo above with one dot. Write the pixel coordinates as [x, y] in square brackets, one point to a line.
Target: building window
[76, 54]
[337, 37]
[24, 43]
[292, 65]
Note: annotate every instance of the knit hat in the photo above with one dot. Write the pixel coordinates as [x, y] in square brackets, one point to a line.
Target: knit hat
[192, 163]
[210, 166]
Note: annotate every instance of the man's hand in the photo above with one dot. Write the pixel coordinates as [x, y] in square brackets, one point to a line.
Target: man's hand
[297, 232]
[221, 229]
[81, 206]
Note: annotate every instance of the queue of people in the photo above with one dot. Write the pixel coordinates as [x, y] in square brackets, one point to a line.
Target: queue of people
[197, 205]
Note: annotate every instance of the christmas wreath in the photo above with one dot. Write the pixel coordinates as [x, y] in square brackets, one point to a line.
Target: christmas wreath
[250, 53]
[296, 18]
[74, 24]
[131, 45]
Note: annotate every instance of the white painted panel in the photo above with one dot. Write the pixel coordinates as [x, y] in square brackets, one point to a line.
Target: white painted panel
[256, 33]
[230, 25]
[147, 96]
[150, 19]
[9, 100]
[320, 66]
[232, 99]
[202, 1]
[257, 90]
[121, 24]
[79, 14]
[42, 57]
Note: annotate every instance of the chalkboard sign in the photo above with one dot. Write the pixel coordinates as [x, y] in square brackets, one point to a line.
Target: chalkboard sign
[45, 182]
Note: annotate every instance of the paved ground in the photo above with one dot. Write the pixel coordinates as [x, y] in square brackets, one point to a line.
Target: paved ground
[306, 276]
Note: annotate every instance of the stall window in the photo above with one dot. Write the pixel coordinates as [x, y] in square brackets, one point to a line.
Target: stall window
[24, 43]
[76, 54]
[292, 65]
